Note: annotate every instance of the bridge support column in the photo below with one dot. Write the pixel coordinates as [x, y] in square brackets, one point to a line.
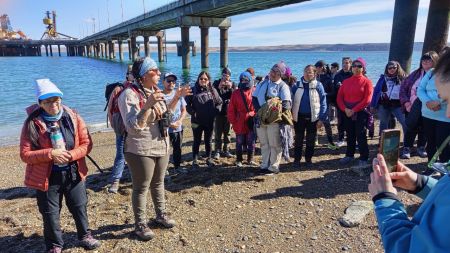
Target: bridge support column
[204, 44]
[436, 33]
[112, 54]
[403, 31]
[133, 48]
[146, 46]
[223, 47]
[160, 48]
[100, 45]
[129, 49]
[59, 50]
[46, 50]
[119, 44]
[51, 50]
[186, 63]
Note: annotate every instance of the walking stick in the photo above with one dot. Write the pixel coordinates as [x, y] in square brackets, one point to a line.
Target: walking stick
[96, 165]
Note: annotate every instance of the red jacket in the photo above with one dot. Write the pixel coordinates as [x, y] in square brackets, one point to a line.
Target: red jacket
[356, 90]
[39, 162]
[237, 113]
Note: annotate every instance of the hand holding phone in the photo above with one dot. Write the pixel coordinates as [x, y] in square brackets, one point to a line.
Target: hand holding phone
[389, 147]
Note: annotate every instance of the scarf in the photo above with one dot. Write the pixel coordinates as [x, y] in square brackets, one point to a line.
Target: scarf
[52, 118]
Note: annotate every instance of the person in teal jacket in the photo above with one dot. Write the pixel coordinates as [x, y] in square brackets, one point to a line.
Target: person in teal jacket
[436, 124]
[428, 230]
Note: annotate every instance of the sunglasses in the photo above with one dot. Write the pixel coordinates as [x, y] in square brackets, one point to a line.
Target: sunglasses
[393, 67]
[357, 66]
[170, 81]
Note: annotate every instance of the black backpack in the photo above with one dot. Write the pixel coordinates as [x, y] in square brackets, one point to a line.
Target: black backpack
[109, 89]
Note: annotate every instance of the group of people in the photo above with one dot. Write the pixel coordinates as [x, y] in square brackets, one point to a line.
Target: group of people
[148, 121]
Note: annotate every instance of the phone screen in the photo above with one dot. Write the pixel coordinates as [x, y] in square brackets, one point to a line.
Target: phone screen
[390, 142]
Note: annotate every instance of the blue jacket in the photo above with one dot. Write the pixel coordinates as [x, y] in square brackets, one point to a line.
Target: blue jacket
[426, 91]
[427, 231]
[377, 91]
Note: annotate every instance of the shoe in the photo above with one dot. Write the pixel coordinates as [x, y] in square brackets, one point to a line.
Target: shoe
[89, 243]
[406, 153]
[428, 172]
[195, 162]
[308, 162]
[55, 249]
[340, 144]
[227, 154]
[165, 221]
[316, 142]
[332, 146]
[421, 152]
[346, 160]
[181, 170]
[144, 232]
[252, 163]
[210, 162]
[114, 187]
[239, 164]
[265, 172]
[217, 155]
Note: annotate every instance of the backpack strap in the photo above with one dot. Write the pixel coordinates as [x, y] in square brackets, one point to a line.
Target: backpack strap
[245, 101]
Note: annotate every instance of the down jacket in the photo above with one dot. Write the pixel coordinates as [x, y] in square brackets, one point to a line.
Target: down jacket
[39, 162]
[237, 112]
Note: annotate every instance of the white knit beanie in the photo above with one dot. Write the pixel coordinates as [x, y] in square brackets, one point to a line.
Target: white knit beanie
[46, 89]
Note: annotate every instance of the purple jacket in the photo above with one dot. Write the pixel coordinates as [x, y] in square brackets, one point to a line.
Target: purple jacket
[405, 88]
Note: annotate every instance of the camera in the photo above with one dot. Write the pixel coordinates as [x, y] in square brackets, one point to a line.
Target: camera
[164, 123]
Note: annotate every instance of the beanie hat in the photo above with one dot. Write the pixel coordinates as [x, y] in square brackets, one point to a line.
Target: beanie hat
[46, 89]
[147, 64]
[362, 61]
[280, 67]
[226, 71]
[288, 72]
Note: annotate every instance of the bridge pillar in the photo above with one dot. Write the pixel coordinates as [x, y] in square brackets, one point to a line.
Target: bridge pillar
[186, 63]
[204, 44]
[112, 53]
[46, 50]
[160, 48]
[146, 46]
[130, 54]
[134, 49]
[59, 50]
[436, 33]
[223, 47]
[403, 31]
[51, 50]
[119, 44]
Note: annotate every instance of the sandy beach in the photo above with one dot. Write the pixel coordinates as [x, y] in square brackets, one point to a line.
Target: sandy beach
[223, 209]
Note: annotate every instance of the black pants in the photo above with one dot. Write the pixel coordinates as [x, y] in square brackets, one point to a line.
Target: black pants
[198, 131]
[304, 124]
[356, 131]
[414, 126]
[177, 142]
[341, 124]
[436, 132]
[221, 127]
[50, 203]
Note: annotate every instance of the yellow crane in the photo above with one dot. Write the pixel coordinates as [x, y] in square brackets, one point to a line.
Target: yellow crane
[51, 32]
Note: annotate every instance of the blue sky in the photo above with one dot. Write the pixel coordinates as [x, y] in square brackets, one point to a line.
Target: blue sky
[313, 22]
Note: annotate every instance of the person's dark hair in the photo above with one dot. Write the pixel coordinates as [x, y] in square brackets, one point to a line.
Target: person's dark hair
[203, 73]
[251, 71]
[33, 132]
[442, 69]
[137, 64]
[226, 71]
[346, 58]
[335, 65]
[431, 55]
[400, 73]
[292, 80]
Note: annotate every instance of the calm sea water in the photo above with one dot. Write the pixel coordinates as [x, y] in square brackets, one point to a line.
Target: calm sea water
[82, 80]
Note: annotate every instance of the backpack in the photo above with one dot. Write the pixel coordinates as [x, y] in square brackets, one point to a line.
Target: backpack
[116, 118]
[109, 89]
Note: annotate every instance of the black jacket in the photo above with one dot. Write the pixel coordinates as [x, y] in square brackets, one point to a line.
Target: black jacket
[339, 78]
[328, 86]
[225, 95]
[203, 105]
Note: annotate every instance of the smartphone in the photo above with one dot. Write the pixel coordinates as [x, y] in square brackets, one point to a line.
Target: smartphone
[389, 147]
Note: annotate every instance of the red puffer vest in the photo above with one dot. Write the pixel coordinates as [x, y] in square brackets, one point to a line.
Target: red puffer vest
[39, 162]
[237, 113]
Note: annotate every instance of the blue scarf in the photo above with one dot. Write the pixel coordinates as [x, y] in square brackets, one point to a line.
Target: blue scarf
[52, 118]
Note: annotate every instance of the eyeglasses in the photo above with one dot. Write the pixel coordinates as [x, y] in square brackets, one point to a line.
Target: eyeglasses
[393, 67]
[357, 66]
[203, 79]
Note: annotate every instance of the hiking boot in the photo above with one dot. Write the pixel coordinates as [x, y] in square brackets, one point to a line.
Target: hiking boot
[406, 153]
[265, 172]
[165, 221]
[55, 249]
[227, 154]
[346, 160]
[210, 162]
[114, 187]
[421, 152]
[144, 232]
[340, 144]
[332, 146]
[239, 164]
[195, 162]
[88, 242]
[217, 155]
